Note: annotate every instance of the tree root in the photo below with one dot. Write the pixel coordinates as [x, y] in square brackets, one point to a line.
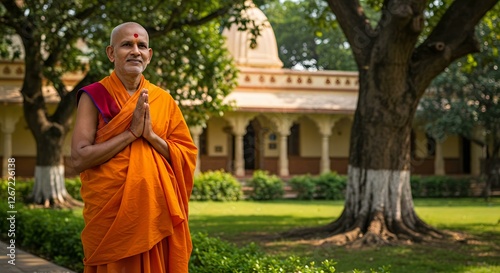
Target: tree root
[371, 233]
[67, 202]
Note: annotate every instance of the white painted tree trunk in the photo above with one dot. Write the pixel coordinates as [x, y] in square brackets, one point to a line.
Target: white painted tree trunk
[49, 185]
[383, 191]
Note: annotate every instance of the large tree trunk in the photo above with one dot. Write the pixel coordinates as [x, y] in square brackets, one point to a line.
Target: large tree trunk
[379, 205]
[393, 76]
[49, 131]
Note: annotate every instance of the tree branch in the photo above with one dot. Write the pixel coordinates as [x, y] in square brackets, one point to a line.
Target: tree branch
[68, 100]
[53, 58]
[171, 25]
[453, 37]
[13, 14]
[356, 27]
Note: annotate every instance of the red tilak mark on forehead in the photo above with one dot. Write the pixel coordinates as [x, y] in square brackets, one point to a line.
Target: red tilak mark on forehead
[136, 35]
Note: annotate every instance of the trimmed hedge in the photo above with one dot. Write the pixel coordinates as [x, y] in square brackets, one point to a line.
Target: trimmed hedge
[216, 186]
[327, 186]
[24, 188]
[265, 186]
[55, 235]
[440, 186]
[331, 186]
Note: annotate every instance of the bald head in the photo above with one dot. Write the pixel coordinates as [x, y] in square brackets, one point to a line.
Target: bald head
[123, 28]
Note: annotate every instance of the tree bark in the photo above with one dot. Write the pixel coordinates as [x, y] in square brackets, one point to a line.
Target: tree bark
[393, 76]
[49, 131]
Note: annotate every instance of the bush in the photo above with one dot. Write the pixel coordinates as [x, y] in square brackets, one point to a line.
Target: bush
[73, 186]
[331, 186]
[440, 186]
[51, 234]
[304, 186]
[55, 235]
[24, 188]
[216, 186]
[265, 186]
[213, 255]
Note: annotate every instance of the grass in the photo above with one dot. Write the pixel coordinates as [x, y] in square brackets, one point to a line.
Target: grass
[245, 221]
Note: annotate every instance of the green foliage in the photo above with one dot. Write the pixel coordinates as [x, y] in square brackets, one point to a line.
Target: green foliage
[24, 188]
[308, 36]
[55, 235]
[189, 55]
[466, 95]
[213, 255]
[216, 186]
[331, 186]
[52, 234]
[265, 186]
[304, 186]
[327, 186]
[440, 186]
[73, 186]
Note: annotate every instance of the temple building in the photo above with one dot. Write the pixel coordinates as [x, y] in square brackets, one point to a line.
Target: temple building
[285, 121]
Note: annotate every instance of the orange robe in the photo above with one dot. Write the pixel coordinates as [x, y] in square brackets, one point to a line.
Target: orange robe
[136, 204]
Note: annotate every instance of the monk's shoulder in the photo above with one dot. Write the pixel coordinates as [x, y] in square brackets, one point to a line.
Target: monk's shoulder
[160, 92]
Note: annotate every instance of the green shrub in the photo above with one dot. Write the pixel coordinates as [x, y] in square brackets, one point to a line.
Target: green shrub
[213, 255]
[440, 186]
[51, 234]
[73, 186]
[216, 186]
[24, 188]
[331, 186]
[265, 186]
[55, 235]
[304, 186]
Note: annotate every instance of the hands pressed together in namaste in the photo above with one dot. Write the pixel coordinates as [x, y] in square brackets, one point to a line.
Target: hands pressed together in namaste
[141, 120]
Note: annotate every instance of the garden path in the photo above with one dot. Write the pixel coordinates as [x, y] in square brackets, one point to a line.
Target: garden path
[26, 262]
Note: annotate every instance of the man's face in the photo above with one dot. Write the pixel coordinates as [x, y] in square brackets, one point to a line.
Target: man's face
[130, 50]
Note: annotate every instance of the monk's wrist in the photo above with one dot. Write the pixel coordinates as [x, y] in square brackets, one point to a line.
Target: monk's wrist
[133, 134]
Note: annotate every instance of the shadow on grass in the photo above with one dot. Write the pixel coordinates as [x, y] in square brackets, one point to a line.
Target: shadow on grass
[480, 253]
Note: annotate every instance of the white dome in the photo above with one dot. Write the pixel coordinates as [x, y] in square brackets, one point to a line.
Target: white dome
[265, 54]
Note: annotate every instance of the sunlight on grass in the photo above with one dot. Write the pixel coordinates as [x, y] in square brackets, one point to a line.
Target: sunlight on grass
[240, 221]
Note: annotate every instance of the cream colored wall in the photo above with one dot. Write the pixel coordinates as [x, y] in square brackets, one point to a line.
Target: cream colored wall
[420, 144]
[451, 147]
[309, 139]
[268, 152]
[340, 139]
[216, 137]
[23, 142]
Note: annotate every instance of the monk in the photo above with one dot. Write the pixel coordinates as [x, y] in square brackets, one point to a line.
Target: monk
[136, 160]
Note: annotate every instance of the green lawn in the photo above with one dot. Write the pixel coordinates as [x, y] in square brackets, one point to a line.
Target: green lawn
[245, 221]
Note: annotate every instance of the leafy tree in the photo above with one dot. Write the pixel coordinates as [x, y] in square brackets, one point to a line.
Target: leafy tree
[309, 37]
[465, 96]
[398, 53]
[189, 60]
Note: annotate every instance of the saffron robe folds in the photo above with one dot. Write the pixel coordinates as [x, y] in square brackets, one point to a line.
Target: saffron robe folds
[136, 203]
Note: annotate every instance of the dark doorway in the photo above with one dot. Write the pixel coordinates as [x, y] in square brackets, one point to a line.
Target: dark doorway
[249, 147]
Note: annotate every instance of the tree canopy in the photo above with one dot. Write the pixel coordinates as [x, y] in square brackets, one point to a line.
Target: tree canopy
[308, 36]
[60, 37]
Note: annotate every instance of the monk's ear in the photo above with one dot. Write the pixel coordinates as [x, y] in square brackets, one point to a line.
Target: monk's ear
[150, 54]
[110, 52]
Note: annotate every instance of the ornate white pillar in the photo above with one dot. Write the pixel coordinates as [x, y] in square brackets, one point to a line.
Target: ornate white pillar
[325, 124]
[239, 123]
[196, 132]
[283, 124]
[8, 119]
